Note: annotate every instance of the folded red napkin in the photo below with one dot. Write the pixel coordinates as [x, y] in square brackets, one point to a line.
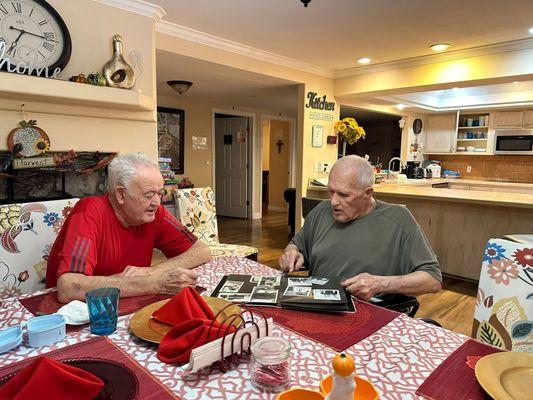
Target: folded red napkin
[47, 379]
[193, 326]
[186, 305]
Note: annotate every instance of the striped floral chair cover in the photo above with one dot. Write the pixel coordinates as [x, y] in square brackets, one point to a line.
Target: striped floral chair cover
[27, 233]
[504, 306]
[196, 210]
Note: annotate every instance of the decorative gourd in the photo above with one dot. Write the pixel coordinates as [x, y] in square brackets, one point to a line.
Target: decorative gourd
[343, 384]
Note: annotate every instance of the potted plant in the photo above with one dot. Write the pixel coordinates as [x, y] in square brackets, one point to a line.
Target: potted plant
[350, 131]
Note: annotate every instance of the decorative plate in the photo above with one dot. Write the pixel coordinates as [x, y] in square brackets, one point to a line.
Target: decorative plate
[147, 328]
[120, 382]
[507, 375]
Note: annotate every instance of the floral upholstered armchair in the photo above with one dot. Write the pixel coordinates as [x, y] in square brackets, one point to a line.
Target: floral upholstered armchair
[504, 306]
[196, 210]
[27, 233]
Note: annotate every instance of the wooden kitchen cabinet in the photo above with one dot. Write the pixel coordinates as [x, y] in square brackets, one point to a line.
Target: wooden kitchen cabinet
[441, 134]
[528, 119]
[509, 119]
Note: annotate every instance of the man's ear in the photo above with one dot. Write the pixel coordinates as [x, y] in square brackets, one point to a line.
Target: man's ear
[120, 194]
[369, 191]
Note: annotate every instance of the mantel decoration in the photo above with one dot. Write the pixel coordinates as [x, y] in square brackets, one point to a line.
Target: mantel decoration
[349, 131]
[117, 72]
[28, 140]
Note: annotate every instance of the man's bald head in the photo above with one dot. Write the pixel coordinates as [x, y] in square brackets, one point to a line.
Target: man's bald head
[356, 169]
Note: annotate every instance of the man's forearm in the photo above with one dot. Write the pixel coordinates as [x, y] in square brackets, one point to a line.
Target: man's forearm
[412, 284]
[196, 255]
[73, 286]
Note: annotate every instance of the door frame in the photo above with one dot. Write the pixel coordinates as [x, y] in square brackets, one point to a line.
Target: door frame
[292, 161]
[249, 148]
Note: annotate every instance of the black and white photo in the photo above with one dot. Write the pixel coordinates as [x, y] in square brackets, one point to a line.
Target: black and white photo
[326, 294]
[231, 287]
[297, 291]
[236, 297]
[270, 281]
[299, 282]
[264, 294]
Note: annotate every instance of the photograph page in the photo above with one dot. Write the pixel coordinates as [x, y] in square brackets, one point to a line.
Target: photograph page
[310, 293]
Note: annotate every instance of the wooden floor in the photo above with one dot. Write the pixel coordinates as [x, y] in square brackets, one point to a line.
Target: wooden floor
[453, 307]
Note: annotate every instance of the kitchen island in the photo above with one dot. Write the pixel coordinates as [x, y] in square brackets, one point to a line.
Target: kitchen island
[458, 216]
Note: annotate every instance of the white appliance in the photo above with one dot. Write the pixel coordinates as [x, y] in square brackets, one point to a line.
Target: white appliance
[513, 141]
[435, 170]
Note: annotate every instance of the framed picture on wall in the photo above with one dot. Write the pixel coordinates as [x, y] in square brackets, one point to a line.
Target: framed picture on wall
[317, 137]
[170, 136]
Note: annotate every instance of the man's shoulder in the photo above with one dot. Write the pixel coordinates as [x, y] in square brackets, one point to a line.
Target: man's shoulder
[395, 213]
[92, 205]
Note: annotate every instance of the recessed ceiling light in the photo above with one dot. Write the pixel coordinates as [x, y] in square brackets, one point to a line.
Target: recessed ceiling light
[364, 60]
[530, 30]
[516, 82]
[439, 46]
[400, 106]
[455, 89]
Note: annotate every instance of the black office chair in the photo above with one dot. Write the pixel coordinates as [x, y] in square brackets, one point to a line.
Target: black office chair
[401, 303]
[308, 203]
[290, 197]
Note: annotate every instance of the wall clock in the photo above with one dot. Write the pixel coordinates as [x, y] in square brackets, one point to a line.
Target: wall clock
[35, 33]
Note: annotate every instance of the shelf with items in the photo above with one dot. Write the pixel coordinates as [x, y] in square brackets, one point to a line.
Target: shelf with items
[473, 133]
[473, 127]
[471, 140]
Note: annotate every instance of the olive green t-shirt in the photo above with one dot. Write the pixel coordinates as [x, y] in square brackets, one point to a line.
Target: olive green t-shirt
[387, 241]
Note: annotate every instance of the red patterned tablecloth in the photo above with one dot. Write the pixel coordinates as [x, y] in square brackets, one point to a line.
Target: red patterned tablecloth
[397, 358]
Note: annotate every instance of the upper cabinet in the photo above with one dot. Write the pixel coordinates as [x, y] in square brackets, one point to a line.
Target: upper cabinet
[509, 119]
[441, 134]
[528, 119]
[473, 133]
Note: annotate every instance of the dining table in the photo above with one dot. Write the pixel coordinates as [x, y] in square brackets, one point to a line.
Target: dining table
[397, 357]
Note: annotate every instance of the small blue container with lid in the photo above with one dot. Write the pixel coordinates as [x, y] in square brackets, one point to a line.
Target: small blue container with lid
[10, 338]
[46, 330]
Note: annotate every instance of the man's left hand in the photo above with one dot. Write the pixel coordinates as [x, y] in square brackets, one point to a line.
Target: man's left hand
[364, 286]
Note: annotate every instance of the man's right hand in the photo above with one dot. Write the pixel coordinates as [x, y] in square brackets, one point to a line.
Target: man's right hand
[174, 280]
[291, 260]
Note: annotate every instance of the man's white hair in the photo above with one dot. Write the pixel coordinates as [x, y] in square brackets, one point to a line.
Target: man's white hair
[124, 167]
[361, 168]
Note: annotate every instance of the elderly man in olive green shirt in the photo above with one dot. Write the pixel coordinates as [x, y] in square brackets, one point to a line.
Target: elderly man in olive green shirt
[371, 246]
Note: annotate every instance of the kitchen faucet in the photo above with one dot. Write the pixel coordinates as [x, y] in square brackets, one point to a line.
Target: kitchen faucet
[390, 164]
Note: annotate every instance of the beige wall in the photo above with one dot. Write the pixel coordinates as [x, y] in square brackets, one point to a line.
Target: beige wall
[279, 164]
[266, 145]
[80, 126]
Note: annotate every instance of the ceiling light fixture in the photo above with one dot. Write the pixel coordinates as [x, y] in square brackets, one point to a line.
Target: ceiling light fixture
[400, 106]
[439, 46]
[516, 82]
[455, 89]
[179, 87]
[364, 60]
[306, 2]
[530, 30]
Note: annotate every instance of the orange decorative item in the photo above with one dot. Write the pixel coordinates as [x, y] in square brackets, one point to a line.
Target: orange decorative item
[31, 139]
[364, 389]
[343, 364]
[297, 393]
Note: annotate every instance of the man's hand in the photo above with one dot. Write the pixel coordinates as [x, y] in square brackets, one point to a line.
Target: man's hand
[364, 286]
[291, 260]
[174, 280]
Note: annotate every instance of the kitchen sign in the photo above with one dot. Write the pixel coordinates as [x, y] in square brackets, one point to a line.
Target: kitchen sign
[319, 103]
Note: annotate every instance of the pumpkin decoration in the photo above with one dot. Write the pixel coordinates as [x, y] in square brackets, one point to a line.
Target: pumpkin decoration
[343, 364]
[28, 140]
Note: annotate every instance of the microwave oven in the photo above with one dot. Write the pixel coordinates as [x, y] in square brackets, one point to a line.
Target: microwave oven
[513, 141]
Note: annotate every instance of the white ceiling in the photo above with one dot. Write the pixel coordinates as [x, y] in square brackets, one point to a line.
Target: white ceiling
[220, 84]
[333, 34]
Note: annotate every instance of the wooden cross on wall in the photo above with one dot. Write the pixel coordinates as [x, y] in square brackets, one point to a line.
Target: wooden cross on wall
[279, 143]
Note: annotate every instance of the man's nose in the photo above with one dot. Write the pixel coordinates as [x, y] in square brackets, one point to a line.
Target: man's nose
[334, 200]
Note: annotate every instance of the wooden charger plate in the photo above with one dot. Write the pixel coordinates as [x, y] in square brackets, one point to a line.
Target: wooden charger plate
[506, 376]
[147, 328]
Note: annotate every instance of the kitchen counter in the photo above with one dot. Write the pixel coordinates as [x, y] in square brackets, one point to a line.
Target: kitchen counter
[459, 220]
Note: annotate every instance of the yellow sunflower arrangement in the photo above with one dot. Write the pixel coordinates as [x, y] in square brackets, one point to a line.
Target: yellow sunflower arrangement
[349, 130]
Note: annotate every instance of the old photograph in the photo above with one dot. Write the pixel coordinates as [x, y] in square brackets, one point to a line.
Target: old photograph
[299, 282]
[297, 291]
[270, 281]
[264, 294]
[231, 286]
[255, 278]
[326, 294]
[236, 297]
[319, 281]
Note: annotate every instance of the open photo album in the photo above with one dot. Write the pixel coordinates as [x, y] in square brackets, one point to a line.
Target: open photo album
[309, 293]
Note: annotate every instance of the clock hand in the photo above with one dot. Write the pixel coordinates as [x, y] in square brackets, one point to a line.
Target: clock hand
[15, 42]
[31, 33]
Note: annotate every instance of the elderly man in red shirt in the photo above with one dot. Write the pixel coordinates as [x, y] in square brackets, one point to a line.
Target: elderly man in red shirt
[109, 240]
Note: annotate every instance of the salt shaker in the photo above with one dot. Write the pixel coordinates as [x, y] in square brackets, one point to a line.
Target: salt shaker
[271, 364]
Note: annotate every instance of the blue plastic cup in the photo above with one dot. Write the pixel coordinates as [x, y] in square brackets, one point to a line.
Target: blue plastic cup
[103, 310]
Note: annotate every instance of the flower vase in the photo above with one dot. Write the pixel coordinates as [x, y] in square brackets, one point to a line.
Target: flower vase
[343, 148]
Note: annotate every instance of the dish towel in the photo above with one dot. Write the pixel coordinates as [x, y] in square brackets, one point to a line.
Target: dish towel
[47, 379]
[193, 323]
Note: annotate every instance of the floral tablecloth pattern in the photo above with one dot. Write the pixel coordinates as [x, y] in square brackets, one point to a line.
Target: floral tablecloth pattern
[397, 358]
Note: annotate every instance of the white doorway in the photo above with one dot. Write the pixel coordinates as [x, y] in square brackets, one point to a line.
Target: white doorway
[232, 179]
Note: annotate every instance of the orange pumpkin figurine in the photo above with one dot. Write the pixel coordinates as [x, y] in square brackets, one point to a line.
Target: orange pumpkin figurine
[343, 385]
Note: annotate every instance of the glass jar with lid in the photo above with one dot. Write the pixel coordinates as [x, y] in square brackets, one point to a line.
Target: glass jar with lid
[271, 364]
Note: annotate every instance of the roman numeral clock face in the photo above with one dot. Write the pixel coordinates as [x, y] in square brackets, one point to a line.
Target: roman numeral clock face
[34, 33]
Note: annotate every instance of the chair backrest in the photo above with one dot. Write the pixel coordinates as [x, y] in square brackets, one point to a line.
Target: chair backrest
[308, 203]
[504, 306]
[196, 210]
[27, 233]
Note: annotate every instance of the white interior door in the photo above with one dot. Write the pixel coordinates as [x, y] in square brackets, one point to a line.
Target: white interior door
[231, 158]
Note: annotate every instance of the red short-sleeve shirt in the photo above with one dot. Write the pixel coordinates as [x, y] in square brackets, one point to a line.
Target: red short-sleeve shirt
[92, 241]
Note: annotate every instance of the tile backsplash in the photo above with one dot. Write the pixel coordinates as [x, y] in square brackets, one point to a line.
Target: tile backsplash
[494, 168]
